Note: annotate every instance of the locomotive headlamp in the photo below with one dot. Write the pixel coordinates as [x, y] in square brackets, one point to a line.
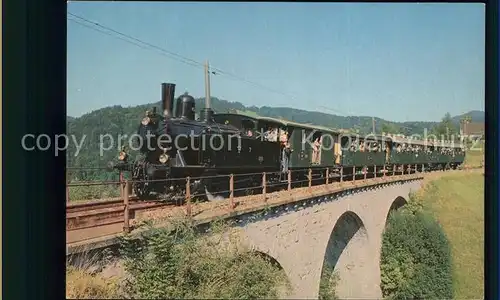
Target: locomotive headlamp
[163, 158]
[146, 121]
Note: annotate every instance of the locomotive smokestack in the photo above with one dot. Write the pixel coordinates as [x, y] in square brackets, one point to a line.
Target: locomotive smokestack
[206, 114]
[167, 99]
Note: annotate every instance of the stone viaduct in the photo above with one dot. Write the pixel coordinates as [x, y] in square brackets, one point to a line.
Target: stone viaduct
[341, 231]
[308, 238]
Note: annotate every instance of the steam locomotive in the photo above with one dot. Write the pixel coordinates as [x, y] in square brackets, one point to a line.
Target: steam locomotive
[175, 145]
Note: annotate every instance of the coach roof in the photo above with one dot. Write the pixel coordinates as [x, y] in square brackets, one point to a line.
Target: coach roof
[284, 123]
[429, 142]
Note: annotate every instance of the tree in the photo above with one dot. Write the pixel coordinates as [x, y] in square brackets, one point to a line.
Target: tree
[446, 128]
[389, 128]
[415, 261]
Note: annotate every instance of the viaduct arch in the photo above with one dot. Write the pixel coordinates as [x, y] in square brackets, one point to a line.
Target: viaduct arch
[339, 234]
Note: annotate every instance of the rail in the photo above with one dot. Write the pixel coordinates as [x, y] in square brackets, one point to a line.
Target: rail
[122, 209]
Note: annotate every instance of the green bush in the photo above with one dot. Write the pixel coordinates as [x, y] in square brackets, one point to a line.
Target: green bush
[181, 263]
[416, 257]
[92, 192]
[328, 284]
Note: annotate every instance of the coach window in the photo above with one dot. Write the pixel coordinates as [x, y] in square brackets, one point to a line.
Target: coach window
[269, 130]
[364, 146]
[368, 146]
[344, 143]
[316, 149]
[248, 127]
[283, 135]
[372, 146]
[353, 145]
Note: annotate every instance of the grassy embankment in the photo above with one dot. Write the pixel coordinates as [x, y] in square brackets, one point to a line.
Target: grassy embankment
[457, 202]
[182, 264]
[474, 157]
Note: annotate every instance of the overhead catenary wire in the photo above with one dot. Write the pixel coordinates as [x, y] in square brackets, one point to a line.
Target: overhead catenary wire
[130, 42]
[181, 58]
[177, 56]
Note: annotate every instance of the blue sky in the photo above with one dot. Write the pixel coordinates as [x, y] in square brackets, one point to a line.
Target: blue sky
[397, 61]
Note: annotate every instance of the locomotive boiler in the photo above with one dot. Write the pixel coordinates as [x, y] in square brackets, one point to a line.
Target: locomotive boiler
[174, 145]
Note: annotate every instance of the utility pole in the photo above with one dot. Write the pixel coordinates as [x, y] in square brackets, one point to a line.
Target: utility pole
[373, 125]
[207, 86]
[465, 127]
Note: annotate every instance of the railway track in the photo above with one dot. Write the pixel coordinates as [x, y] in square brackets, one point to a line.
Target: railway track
[105, 212]
[96, 213]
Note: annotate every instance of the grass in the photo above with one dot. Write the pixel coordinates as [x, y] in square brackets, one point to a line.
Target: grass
[82, 282]
[475, 157]
[93, 192]
[457, 202]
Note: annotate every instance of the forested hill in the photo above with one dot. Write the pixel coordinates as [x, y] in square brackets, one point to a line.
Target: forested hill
[117, 120]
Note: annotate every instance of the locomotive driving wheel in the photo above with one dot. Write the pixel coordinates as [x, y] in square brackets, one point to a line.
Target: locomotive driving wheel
[142, 188]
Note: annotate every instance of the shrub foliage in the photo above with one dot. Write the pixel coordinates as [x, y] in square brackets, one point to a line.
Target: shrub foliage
[416, 256]
[328, 285]
[91, 192]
